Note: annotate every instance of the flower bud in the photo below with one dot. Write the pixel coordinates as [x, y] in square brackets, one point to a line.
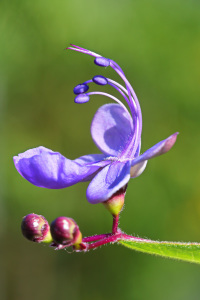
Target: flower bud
[115, 203]
[36, 228]
[65, 231]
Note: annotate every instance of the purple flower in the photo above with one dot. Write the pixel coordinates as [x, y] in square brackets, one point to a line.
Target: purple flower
[117, 133]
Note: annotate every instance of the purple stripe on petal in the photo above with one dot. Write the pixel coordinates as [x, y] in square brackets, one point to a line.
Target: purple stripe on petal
[111, 129]
[108, 181]
[158, 149]
[45, 168]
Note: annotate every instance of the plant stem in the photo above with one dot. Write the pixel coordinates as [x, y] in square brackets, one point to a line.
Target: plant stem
[115, 224]
[110, 239]
[96, 237]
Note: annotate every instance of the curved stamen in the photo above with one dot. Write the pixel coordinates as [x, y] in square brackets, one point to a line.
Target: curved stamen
[113, 64]
[119, 71]
[120, 91]
[124, 90]
[116, 66]
[132, 148]
[83, 50]
[134, 142]
[132, 109]
[101, 80]
[109, 96]
[83, 87]
[121, 74]
[118, 88]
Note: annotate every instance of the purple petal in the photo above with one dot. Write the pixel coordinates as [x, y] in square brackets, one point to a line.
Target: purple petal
[97, 161]
[158, 149]
[111, 129]
[138, 169]
[108, 181]
[45, 168]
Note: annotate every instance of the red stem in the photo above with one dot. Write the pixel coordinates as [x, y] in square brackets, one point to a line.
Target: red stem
[110, 239]
[101, 239]
[96, 237]
[115, 224]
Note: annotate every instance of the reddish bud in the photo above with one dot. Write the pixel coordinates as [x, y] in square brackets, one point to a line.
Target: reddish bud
[36, 228]
[65, 231]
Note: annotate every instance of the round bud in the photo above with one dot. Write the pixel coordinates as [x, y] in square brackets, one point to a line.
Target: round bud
[82, 98]
[65, 231]
[81, 88]
[102, 61]
[115, 203]
[101, 80]
[36, 228]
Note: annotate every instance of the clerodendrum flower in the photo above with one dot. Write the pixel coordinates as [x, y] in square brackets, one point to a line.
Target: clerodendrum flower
[116, 132]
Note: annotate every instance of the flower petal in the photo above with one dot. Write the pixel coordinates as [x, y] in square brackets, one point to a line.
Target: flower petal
[138, 169]
[111, 128]
[158, 149]
[45, 168]
[108, 181]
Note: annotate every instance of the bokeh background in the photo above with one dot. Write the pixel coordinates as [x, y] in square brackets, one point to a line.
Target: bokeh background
[157, 43]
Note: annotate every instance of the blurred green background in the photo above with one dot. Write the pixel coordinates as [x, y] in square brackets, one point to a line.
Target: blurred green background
[157, 43]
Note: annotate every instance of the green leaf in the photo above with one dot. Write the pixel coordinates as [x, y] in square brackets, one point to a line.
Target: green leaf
[183, 251]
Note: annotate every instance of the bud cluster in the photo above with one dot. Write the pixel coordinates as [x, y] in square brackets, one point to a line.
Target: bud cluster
[63, 231]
